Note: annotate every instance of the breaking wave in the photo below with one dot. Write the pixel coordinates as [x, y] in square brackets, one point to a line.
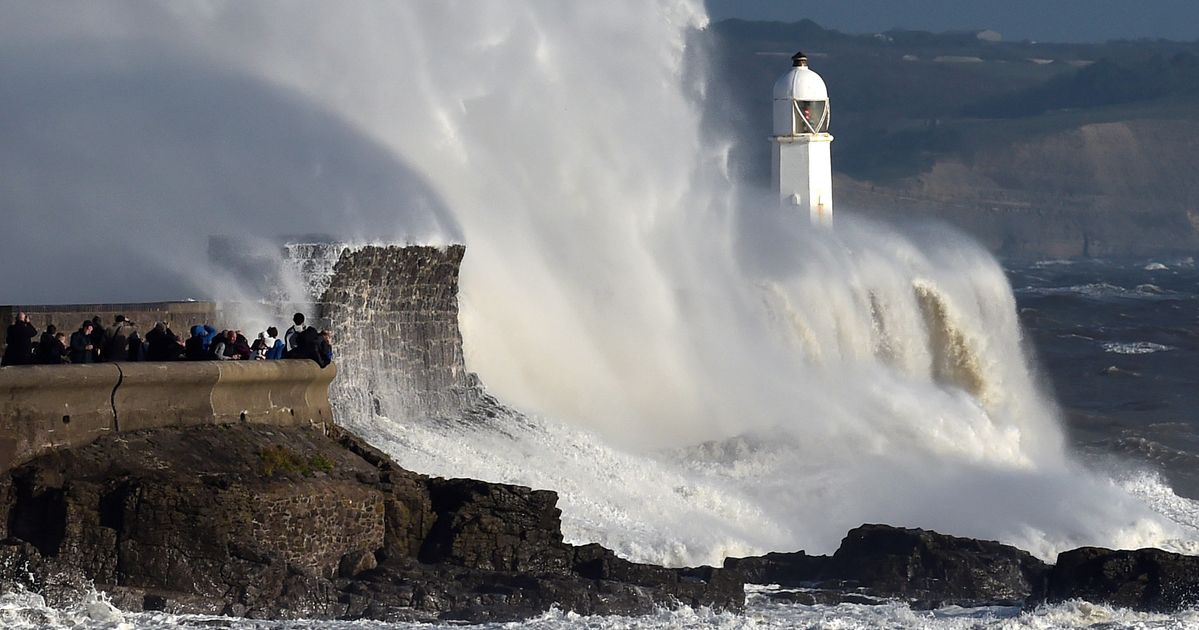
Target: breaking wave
[697, 372]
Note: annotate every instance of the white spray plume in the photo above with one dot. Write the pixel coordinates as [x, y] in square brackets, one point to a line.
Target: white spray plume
[711, 376]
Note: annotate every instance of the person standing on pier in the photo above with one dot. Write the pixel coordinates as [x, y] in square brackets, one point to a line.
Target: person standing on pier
[82, 350]
[18, 342]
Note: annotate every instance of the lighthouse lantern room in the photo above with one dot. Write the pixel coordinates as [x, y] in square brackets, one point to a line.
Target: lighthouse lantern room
[801, 167]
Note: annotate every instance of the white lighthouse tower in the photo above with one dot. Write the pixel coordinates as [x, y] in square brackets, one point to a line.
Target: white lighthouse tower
[801, 167]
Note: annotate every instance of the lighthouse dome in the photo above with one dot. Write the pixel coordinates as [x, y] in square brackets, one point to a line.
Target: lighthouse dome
[800, 101]
[800, 84]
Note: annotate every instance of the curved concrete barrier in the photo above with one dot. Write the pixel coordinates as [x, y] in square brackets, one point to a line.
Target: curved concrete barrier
[47, 407]
[286, 392]
[44, 407]
[172, 394]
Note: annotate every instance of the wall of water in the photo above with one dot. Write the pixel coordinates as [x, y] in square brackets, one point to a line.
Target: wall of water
[697, 373]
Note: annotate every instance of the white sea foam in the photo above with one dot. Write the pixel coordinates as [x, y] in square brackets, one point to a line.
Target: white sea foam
[762, 612]
[704, 374]
[1101, 290]
[1135, 347]
[21, 609]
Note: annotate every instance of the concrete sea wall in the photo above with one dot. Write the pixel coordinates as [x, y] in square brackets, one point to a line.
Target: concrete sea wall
[393, 311]
[43, 408]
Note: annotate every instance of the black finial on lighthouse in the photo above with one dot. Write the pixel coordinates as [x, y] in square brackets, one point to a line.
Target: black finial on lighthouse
[799, 60]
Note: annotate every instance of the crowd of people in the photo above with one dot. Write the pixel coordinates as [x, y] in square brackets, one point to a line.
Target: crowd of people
[123, 341]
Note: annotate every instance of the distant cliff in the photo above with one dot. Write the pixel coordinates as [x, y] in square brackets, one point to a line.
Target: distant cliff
[1037, 149]
[1103, 189]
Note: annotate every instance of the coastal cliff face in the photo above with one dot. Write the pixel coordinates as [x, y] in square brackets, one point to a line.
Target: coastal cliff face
[1128, 188]
[285, 522]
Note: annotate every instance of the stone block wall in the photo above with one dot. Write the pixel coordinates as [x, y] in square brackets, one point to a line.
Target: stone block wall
[68, 317]
[315, 524]
[394, 313]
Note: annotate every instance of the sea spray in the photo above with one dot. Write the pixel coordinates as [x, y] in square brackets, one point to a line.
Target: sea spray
[696, 372]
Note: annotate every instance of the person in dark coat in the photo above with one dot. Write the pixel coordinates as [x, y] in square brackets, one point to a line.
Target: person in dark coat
[82, 350]
[260, 347]
[162, 344]
[49, 350]
[60, 344]
[98, 338]
[241, 346]
[308, 346]
[137, 348]
[18, 342]
[52, 348]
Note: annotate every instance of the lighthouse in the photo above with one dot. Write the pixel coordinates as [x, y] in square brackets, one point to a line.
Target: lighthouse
[801, 168]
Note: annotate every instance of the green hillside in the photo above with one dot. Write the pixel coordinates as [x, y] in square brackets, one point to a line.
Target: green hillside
[902, 100]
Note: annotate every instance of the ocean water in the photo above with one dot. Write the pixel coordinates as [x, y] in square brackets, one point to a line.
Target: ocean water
[24, 611]
[1119, 344]
[695, 372]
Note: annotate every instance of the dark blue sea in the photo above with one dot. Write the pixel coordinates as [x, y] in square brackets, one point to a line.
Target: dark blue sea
[1117, 342]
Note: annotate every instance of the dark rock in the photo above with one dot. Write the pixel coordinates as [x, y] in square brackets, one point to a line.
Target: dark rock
[5, 499]
[934, 569]
[495, 526]
[126, 598]
[923, 567]
[187, 521]
[784, 569]
[177, 603]
[1147, 579]
[354, 563]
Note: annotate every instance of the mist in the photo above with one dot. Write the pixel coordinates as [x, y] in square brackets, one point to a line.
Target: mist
[694, 370]
[123, 153]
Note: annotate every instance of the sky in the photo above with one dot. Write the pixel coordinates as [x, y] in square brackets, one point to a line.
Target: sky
[1038, 20]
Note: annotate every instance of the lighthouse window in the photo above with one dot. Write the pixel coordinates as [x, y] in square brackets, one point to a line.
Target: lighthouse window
[811, 116]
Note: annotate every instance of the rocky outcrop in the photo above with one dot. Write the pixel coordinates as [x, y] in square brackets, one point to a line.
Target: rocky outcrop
[785, 569]
[934, 569]
[286, 522]
[922, 567]
[877, 563]
[1146, 579]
